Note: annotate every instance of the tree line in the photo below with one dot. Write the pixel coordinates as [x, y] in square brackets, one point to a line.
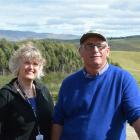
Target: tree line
[60, 56]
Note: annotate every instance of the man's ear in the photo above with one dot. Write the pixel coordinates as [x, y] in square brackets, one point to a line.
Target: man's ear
[108, 51]
[80, 50]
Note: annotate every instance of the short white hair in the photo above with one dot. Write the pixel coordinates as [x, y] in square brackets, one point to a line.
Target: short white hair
[26, 52]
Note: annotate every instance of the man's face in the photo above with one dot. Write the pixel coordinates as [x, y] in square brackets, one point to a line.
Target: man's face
[94, 52]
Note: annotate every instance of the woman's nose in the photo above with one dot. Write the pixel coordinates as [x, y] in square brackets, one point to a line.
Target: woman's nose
[31, 66]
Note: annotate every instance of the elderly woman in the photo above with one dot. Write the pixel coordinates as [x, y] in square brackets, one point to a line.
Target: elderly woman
[25, 104]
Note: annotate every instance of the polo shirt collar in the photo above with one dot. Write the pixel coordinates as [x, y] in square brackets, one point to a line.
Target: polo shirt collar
[87, 75]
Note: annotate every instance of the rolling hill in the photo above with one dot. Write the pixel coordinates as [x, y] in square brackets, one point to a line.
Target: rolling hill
[129, 43]
[23, 35]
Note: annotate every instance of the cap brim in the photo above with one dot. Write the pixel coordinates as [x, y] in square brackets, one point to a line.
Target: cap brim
[89, 35]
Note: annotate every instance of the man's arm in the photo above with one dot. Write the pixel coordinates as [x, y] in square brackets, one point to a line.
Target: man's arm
[56, 131]
[136, 126]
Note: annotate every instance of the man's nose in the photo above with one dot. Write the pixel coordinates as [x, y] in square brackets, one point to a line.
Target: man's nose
[95, 48]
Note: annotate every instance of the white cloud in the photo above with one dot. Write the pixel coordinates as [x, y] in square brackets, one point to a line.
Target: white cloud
[111, 17]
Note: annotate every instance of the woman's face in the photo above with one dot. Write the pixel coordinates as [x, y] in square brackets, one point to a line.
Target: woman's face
[29, 69]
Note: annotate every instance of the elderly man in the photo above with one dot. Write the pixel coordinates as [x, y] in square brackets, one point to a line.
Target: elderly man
[95, 102]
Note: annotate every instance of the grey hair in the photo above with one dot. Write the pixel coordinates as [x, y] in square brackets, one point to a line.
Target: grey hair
[26, 52]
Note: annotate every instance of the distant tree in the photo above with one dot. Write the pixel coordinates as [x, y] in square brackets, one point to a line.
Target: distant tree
[3, 62]
[60, 57]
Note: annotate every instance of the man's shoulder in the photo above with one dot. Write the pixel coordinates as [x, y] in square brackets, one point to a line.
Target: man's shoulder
[73, 76]
[119, 71]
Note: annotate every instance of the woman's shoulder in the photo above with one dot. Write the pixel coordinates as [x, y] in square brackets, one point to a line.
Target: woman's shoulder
[8, 87]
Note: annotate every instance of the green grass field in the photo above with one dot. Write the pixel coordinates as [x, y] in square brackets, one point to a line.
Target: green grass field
[129, 61]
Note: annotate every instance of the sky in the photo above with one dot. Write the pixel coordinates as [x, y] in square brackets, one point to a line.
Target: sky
[112, 18]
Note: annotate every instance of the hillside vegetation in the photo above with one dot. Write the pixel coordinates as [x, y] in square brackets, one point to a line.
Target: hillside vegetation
[125, 44]
[62, 55]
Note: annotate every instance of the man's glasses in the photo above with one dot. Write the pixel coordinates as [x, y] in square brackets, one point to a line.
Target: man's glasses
[99, 46]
